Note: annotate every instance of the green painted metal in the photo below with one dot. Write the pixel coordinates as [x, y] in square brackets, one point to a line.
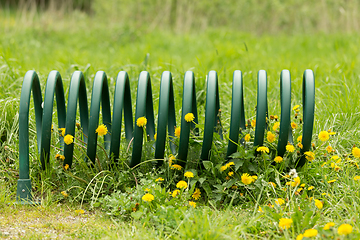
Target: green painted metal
[144, 108]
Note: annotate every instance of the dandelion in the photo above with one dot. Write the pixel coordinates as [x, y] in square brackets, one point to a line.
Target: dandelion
[331, 181]
[182, 184]
[246, 179]
[155, 136]
[62, 131]
[148, 197]
[356, 178]
[229, 164]
[279, 201]
[189, 175]
[176, 166]
[171, 159]
[141, 121]
[160, 179]
[193, 204]
[296, 182]
[309, 155]
[270, 137]
[263, 149]
[356, 152]
[290, 148]
[329, 149]
[234, 187]
[296, 107]
[64, 193]
[323, 136]
[231, 174]
[175, 193]
[299, 138]
[299, 190]
[278, 159]
[276, 126]
[177, 132]
[66, 167]
[311, 188]
[328, 225]
[253, 123]
[300, 145]
[197, 194]
[310, 233]
[68, 139]
[147, 189]
[293, 125]
[272, 184]
[101, 130]
[260, 209]
[299, 237]
[247, 137]
[344, 229]
[285, 223]
[223, 168]
[189, 117]
[62, 157]
[80, 211]
[318, 204]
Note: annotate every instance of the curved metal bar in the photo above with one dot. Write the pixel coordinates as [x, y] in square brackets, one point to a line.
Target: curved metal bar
[144, 108]
[100, 93]
[122, 100]
[261, 108]
[77, 91]
[53, 85]
[30, 83]
[188, 106]
[166, 116]
[308, 113]
[237, 121]
[211, 114]
[285, 133]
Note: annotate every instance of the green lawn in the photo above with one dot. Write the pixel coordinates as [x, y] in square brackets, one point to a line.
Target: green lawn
[227, 209]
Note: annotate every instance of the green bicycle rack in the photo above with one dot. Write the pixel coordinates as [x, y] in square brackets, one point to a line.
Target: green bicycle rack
[144, 108]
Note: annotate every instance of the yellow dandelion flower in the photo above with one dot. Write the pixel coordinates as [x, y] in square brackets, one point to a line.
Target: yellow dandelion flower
[296, 107]
[229, 164]
[310, 233]
[101, 130]
[299, 190]
[285, 223]
[329, 149]
[182, 184]
[223, 168]
[171, 159]
[155, 136]
[278, 159]
[263, 149]
[62, 131]
[299, 237]
[160, 179]
[331, 181]
[189, 117]
[64, 193]
[253, 123]
[293, 125]
[147, 189]
[175, 193]
[141, 122]
[300, 145]
[272, 184]
[356, 178]
[279, 201]
[247, 137]
[188, 174]
[344, 229]
[234, 187]
[62, 157]
[323, 136]
[260, 209]
[318, 204]
[66, 167]
[299, 138]
[68, 139]
[176, 166]
[356, 152]
[296, 182]
[309, 155]
[177, 132]
[193, 204]
[290, 148]
[246, 179]
[80, 211]
[329, 225]
[276, 126]
[270, 137]
[197, 194]
[311, 188]
[148, 197]
[231, 174]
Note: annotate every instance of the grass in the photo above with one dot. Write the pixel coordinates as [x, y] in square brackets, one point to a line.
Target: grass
[82, 43]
